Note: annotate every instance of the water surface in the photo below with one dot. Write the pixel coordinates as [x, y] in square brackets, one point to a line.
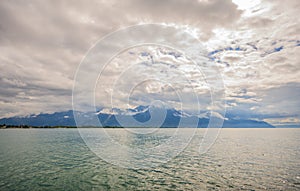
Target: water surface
[241, 159]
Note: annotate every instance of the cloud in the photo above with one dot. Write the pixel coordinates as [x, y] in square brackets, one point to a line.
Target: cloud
[202, 14]
[255, 44]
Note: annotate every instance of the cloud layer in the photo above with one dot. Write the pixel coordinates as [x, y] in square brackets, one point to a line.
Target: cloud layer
[254, 43]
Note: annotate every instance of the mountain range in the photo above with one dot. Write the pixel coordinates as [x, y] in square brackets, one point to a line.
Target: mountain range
[108, 118]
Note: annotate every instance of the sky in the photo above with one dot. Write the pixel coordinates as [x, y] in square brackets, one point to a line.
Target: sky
[255, 44]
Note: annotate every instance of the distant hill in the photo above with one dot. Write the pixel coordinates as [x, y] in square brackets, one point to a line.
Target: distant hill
[141, 114]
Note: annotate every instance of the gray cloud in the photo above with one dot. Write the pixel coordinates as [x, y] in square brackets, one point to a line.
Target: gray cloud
[42, 43]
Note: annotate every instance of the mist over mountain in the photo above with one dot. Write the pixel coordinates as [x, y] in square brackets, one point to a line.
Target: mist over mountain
[142, 114]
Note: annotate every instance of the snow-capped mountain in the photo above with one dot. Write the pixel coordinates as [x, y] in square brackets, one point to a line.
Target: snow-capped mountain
[142, 114]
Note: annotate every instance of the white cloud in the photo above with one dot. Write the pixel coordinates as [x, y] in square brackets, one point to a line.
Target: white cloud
[254, 43]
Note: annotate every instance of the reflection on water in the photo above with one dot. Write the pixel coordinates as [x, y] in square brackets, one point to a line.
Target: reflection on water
[129, 150]
[58, 159]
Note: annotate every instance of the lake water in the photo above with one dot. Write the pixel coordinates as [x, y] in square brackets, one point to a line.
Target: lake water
[240, 159]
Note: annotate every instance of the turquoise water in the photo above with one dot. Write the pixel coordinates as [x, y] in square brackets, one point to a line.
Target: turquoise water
[241, 159]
